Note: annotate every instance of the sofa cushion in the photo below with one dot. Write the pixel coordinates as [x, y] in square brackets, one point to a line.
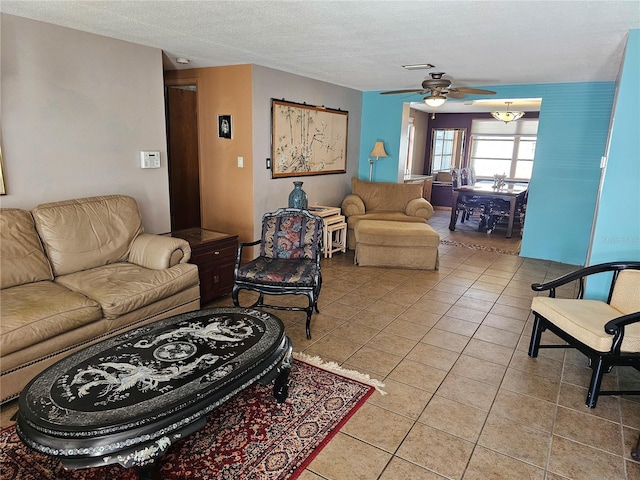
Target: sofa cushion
[88, 232]
[123, 287]
[385, 196]
[37, 311]
[22, 259]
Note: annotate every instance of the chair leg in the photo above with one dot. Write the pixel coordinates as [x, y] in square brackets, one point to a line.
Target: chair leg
[536, 336]
[234, 295]
[316, 295]
[308, 324]
[596, 379]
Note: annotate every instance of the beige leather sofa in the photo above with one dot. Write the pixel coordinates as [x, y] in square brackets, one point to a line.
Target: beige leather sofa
[397, 202]
[75, 272]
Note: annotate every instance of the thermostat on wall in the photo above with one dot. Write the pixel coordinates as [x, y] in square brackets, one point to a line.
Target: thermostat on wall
[150, 159]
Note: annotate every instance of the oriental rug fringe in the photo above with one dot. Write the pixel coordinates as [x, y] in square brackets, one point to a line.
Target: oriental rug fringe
[249, 437]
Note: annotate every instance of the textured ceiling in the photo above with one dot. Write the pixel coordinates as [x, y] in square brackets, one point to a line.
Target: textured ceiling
[363, 44]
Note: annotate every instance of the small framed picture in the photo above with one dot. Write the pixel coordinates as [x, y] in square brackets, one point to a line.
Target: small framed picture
[224, 126]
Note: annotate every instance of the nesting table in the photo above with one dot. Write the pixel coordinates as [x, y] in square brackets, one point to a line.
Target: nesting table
[334, 231]
[127, 399]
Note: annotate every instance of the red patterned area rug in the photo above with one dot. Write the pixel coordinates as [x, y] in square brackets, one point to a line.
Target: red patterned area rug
[249, 437]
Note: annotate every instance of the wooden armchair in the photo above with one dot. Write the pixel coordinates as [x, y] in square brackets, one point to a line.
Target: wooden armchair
[288, 262]
[608, 332]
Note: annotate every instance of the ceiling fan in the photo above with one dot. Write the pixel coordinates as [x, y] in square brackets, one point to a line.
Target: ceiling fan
[439, 89]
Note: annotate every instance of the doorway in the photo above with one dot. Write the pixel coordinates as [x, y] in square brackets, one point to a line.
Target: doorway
[183, 156]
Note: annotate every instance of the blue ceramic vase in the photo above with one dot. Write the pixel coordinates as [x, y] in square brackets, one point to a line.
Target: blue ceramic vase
[298, 197]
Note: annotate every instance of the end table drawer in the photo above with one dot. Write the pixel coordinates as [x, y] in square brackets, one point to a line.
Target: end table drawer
[214, 255]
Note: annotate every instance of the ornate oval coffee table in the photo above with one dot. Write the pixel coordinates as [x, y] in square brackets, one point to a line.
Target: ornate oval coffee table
[127, 399]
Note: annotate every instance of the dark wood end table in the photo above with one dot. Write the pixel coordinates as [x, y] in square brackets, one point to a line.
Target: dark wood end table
[215, 254]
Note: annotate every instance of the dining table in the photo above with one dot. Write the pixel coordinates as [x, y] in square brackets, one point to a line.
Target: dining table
[509, 191]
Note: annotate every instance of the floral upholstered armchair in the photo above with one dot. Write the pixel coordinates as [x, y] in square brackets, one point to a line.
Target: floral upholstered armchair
[288, 262]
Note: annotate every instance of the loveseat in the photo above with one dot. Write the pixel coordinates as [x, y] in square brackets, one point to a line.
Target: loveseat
[397, 202]
[75, 272]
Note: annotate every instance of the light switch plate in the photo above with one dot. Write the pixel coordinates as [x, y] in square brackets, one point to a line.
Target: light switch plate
[149, 159]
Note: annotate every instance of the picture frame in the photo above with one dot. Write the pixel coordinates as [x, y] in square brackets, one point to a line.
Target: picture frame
[224, 126]
[307, 140]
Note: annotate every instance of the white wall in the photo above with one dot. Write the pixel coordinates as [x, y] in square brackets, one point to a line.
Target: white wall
[270, 194]
[76, 110]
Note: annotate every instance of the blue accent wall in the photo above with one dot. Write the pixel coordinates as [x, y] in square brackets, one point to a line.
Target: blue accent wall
[617, 225]
[572, 136]
[381, 121]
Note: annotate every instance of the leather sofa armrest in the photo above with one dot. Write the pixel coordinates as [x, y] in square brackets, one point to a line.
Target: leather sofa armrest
[159, 252]
[352, 205]
[419, 207]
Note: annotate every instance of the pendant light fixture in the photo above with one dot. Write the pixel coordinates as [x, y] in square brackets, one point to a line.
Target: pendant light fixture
[507, 116]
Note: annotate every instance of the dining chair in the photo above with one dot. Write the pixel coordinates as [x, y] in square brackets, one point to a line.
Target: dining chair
[497, 211]
[288, 261]
[467, 205]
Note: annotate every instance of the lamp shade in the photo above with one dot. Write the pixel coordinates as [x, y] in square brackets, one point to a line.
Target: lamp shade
[378, 150]
[435, 100]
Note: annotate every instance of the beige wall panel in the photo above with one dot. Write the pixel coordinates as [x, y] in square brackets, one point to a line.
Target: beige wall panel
[77, 108]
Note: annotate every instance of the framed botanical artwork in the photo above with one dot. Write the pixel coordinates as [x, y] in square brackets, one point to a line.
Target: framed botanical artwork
[224, 126]
[307, 140]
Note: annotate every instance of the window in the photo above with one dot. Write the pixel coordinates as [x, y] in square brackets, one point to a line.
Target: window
[446, 148]
[511, 152]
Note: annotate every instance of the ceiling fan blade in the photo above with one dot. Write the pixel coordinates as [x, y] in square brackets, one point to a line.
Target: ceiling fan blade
[477, 91]
[455, 94]
[412, 90]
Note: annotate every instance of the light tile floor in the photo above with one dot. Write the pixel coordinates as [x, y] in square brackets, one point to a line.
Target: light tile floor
[464, 401]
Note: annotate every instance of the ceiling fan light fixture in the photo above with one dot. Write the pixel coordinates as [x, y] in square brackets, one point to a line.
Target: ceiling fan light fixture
[507, 116]
[435, 100]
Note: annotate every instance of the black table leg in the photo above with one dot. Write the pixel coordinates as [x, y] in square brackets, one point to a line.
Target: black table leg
[281, 385]
[146, 472]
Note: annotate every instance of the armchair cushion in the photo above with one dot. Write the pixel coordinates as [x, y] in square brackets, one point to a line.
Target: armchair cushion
[290, 236]
[626, 295]
[281, 271]
[385, 195]
[585, 319]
